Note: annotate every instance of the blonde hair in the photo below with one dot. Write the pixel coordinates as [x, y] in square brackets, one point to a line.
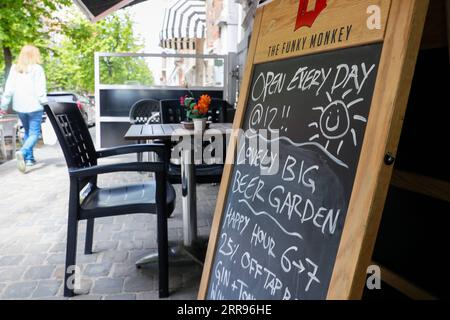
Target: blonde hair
[29, 55]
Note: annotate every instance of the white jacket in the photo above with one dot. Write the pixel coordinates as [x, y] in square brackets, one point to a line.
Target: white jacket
[28, 91]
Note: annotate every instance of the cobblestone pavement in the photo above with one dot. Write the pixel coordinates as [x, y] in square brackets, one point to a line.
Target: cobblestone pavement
[33, 212]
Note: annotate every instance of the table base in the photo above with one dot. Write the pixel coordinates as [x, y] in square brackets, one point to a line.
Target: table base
[179, 254]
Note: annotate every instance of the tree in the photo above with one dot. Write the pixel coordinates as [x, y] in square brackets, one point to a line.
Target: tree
[71, 64]
[23, 22]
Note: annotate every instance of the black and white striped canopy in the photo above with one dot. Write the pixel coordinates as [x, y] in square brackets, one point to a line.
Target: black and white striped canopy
[184, 22]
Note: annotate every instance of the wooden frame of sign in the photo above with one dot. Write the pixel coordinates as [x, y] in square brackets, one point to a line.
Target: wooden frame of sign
[400, 29]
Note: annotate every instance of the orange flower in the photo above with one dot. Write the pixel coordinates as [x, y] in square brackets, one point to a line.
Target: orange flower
[205, 99]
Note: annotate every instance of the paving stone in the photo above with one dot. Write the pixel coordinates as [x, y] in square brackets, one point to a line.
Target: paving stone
[19, 290]
[124, 270]
[175, 280]
[139, 283]
[37, 247]
[11, 260]
[152, 295]
[103, 236]
[56, 258]
[97, 269]
[54, 237]
[39, 272]
[11, 273]
[130, 244]
[125, 296]
[150, 244]
[174, 234]
[110, 227]
[34, 259]
[145, 218]
[145, 235]
[59, 272]
[58, 248]
[107, 286]
[83, 286]
[135, 255]
[45, 222]
[106, 220]
[13, 249]
[136, 226]
[87, 258]
[26, 223]
[50, 229]
[122, 219]
[2, 286]
[123, 235]
[105, 245]
[184, 294]
[33, 238]
[114, 256]
[47, 288]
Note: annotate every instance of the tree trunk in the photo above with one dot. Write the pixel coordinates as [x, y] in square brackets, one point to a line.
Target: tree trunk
[7, 55]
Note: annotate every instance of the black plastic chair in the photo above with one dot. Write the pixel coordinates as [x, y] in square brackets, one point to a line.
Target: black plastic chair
[145, 111]
[172, 112]
[217, 112]
[157, 197]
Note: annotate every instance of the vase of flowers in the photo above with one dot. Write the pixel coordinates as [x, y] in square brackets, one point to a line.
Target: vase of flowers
[197, 110]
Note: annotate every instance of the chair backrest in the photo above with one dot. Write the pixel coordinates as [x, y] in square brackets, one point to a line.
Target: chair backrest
[144, 110]
[172, 111]
[217, 112]
[73, 134]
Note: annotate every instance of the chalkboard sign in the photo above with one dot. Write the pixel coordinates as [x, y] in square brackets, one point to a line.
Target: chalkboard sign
[280, 230]
[319, 112]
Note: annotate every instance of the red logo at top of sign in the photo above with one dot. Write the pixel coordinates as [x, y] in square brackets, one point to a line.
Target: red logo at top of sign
[306, 18]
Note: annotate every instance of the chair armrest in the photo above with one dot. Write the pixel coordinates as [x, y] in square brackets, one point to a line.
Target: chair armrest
[158, 148]
[118, 167]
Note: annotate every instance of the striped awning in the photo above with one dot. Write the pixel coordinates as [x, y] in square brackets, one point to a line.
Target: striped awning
[184, 22]
[98, 9]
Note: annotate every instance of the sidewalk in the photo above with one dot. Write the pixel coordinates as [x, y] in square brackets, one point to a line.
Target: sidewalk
[33, 213]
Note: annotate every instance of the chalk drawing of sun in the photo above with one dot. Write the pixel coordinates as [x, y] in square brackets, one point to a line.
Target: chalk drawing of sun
[335, 122]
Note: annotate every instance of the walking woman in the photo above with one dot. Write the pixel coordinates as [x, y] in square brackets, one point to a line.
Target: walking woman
[26, 87]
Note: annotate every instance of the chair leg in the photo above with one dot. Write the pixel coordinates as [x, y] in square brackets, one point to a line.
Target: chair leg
[71, 251]
[71, 247]
[89, 236]
[163, 242]
[163, 257]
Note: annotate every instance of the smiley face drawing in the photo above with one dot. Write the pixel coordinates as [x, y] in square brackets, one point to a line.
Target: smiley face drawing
[335, 122]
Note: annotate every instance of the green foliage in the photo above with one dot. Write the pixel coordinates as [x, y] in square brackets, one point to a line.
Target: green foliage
[24, 22]
[72, 65]
[28, 21]
[68, 41]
